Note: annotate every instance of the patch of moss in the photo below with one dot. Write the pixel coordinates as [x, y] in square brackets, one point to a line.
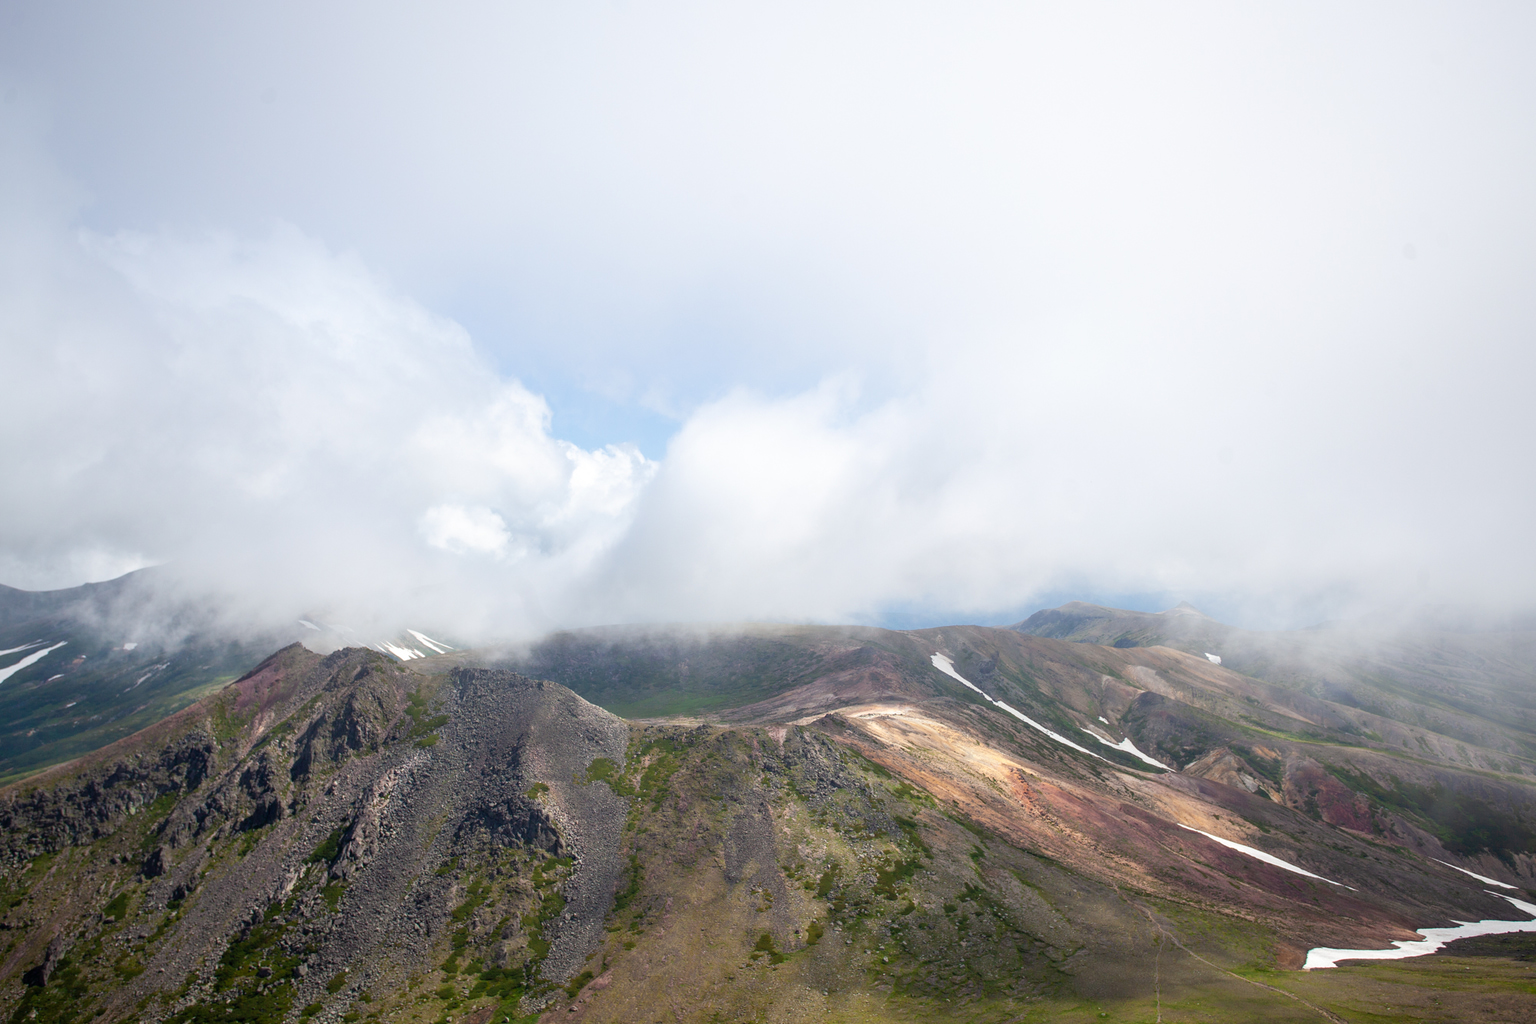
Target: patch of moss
[249, 1008]
[474, 897]
[416, 707]
[602, 769]
[765, 947]
[328, 848]
[892, 873]
[653, 781]
[226, 727]
[117, 907]
[632, 876]
[60, 1001]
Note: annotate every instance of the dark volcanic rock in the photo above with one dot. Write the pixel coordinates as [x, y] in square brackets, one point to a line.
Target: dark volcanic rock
[157, 863]
[39, 975]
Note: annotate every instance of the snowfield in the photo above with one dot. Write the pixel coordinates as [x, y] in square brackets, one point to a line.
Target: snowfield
[1433, 940]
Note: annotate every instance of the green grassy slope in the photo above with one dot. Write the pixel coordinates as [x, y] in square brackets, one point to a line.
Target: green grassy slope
[91, 692]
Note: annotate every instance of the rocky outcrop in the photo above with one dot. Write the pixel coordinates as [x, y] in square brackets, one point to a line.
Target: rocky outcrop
[1222, 765]
[157, 863]
[357, 724]
[40, 974]
[47, 818]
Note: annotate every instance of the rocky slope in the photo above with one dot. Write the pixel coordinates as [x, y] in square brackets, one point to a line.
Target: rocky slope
[318, 820]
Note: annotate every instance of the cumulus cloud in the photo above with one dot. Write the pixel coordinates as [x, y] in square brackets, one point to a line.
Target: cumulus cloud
[287, 430]
[941, 312]
[456, 528]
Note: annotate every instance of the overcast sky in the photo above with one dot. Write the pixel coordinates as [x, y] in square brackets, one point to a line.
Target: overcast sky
[507, 316]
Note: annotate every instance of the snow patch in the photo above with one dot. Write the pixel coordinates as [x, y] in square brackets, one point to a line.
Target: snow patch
[1103, 719]
[1214, 659]
[152, 670]
[437, 646]
[1128, 747]
[13, 650]
[947, 666]
[309, 625]
[31, 659]
[403, 653]
[1474, 874]
[1267, 858]
[1434, 938]
[130, 646]
[1053, 735]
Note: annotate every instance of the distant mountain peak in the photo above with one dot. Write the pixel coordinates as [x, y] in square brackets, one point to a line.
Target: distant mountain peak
[1185, 608]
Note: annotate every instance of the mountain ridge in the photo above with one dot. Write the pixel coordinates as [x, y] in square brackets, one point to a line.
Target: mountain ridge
[798, 821]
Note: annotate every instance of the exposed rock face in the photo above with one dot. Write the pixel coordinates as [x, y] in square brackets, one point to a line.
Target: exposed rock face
[157, 863]
[40, 974]
[356, 725]
[42, 819]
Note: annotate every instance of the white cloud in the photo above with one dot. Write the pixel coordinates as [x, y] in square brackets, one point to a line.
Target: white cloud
[278, 423]
[950, 308]
[459, 529]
